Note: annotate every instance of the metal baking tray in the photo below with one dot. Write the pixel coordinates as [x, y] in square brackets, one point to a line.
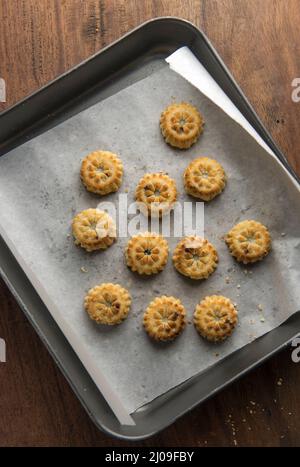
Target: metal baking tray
[126, 61]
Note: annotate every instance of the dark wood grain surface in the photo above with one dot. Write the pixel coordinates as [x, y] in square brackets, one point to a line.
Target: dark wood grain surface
[260, 43]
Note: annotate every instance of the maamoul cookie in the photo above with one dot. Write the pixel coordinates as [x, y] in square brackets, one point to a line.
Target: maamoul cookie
[181, 125]
[248, 241]
[204, 178]
[157, 192]
[93, 229]
[195, 257]
[107, 303]
[215, 318]
[147, 253]
[101, 172]
[164, 318]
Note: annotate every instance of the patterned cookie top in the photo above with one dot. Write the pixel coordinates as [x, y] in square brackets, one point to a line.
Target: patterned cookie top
[181, 125]
[164, 318]
[101, 172]
[249, 241]
[157, 193]
[93, 230]
[215, 318]
[107, 303]
[195, 257]
[147, 253]
[204, 178]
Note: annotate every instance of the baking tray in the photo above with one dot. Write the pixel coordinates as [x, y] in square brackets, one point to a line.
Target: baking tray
[126, 61]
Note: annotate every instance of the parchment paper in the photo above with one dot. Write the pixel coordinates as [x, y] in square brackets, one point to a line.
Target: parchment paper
[40, 191]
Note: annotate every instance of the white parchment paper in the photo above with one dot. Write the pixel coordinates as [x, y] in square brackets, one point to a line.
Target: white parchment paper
[40, 191]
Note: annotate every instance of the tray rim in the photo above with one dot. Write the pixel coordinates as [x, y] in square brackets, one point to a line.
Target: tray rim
[266, 135]
[27, 99]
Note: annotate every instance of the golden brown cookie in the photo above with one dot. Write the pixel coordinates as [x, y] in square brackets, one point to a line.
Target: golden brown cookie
[101, 172]
[181, 125]
[215, 318]
[147, 253]
[157, 192]
[164, 318]
[204, 178]
[248, 241]
[107, 303]
[195, 257]
[93, 230]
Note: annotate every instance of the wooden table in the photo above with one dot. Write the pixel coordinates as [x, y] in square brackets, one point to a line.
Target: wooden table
[259, 42]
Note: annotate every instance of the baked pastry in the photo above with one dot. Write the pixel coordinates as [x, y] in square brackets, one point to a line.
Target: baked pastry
[101, 172]
[181, 125]
[157, 193]
[164, 318]
[204, 178]
[215, 318]
[93, 229]
[147, 253]
[195, 257]
[248, 241]
[107, 303]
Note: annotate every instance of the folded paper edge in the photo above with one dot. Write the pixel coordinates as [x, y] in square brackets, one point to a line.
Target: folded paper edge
[186, 64]
[99, 379]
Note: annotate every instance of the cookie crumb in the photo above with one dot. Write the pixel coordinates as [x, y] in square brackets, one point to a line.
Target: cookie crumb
[280, 381]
